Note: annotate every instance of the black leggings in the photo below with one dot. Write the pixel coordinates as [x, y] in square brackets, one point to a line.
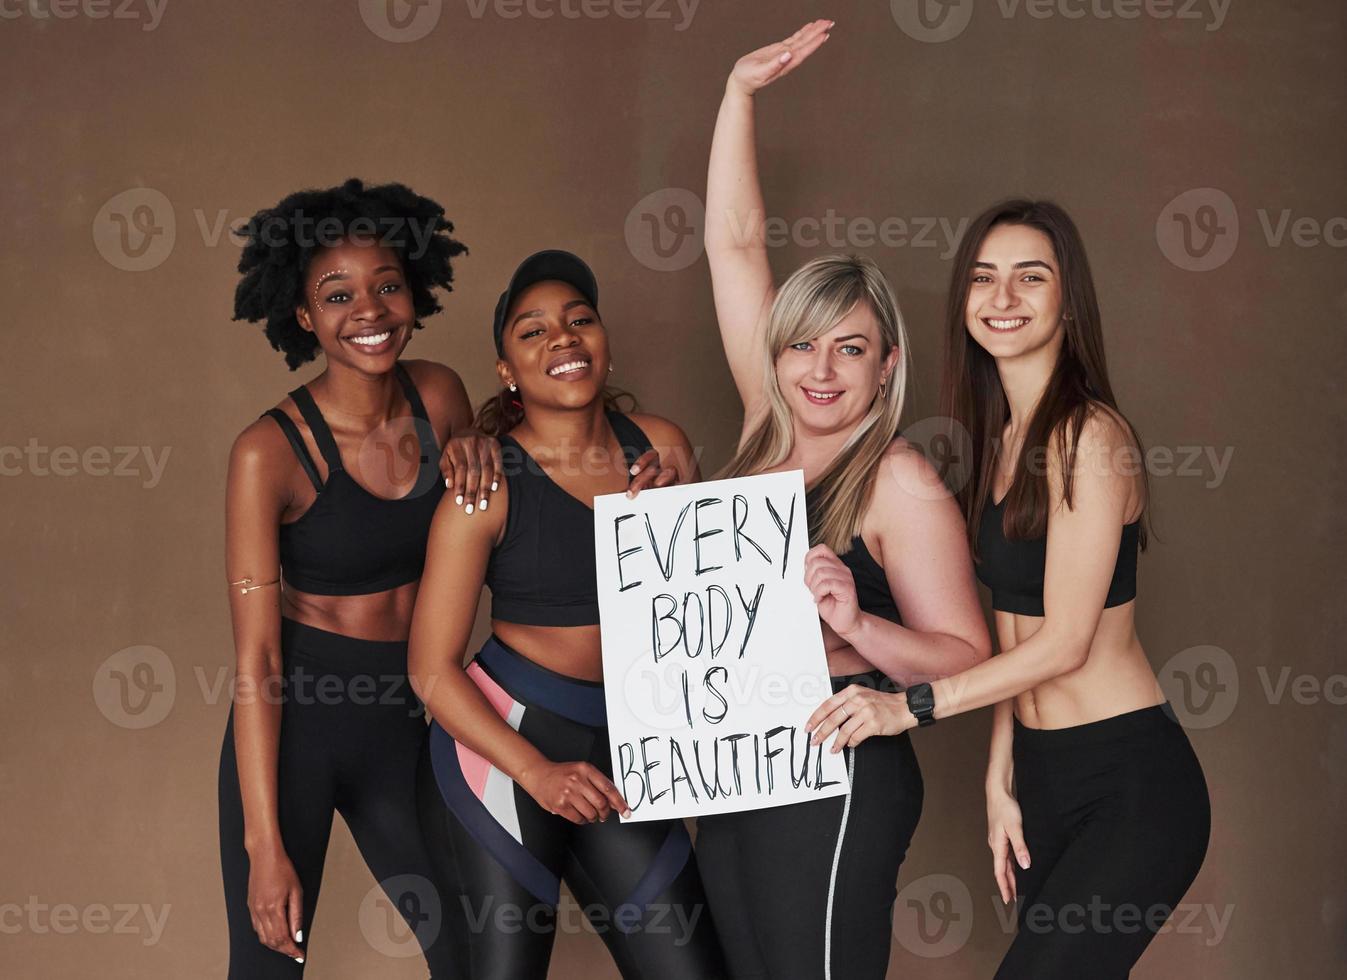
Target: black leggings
[352, 734]
[636, 883]
[806, 891]
[1116, 819]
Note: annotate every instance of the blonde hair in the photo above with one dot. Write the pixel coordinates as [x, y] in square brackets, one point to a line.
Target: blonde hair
[808, 305]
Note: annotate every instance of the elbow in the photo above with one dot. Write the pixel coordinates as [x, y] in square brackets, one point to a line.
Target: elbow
[979, 649]
[260, 662]
[421, 677]
[1068, 655]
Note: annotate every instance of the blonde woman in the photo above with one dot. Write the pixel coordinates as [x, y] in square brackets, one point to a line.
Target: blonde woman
[807, 890]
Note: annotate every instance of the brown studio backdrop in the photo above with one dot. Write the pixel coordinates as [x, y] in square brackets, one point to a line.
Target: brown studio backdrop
[547, 132]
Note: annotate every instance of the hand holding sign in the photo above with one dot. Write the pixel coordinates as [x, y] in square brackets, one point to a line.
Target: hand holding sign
[712, 651]
[834, 589]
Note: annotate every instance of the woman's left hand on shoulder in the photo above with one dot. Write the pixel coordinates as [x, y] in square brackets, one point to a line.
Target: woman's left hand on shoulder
[472, 468]
[649, 472]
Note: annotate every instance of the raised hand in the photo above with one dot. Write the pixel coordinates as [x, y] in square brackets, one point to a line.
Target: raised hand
[762, 67]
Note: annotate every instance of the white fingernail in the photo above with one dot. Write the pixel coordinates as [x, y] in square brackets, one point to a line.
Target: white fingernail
[495, 485]
[469, 508]
[299, 936]
[446, 483]
[299, 959]
[459, 500]
[482, 505]
[634, 470]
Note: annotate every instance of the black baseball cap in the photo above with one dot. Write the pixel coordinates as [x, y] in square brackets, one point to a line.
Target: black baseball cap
[548, 264]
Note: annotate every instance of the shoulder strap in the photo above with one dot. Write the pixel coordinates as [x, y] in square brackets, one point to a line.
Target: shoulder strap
[425, 432]
[630, 437]
[413, 396]
[297, 444]
[322, 435]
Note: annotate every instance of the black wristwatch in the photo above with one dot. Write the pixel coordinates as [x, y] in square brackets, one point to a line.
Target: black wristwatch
[921, 702]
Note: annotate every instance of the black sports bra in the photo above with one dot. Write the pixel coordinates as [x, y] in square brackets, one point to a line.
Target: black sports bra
[543, 571]
[872, 587]
[350, 541]
[1013, 570]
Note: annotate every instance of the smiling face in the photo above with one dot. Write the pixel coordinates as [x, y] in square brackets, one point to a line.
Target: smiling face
[555, 347]
[830, 382]
[1015, 292]
[358, 304]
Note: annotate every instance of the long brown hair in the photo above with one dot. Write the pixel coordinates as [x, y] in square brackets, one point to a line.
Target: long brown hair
[972, 395]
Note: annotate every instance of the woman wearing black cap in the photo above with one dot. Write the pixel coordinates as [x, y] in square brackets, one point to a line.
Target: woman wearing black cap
[519, 746]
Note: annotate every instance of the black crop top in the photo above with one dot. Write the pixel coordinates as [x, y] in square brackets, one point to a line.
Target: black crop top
[543, 572]
[872, 587]
[1013, 570]
[350, 541]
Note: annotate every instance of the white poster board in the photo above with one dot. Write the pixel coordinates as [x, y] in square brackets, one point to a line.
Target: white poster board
[713, 654]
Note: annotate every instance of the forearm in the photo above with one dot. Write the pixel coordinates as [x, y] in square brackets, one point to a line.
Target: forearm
[463, 711]
[909, 656]
[1040, 658]
[257, 733]
[734, 205]
[1000, 761]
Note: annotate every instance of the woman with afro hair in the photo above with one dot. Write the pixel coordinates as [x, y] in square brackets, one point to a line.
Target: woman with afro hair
[332, 491]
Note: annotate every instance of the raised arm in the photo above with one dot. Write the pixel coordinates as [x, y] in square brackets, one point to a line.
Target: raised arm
[456, 558]
[741, 277]
[1082, 548]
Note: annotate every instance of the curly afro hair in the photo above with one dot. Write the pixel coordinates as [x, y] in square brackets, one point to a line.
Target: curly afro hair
[280, 242]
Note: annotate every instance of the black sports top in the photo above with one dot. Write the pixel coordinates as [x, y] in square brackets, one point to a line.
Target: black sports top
[543, 572]
[1014, 569]
[350, 541]
[872, 588]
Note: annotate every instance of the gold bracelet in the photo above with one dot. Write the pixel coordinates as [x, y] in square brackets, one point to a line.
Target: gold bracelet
[245, 585]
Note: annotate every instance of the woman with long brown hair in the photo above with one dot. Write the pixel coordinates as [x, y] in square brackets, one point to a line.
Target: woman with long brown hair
[1098, 814]
[820, 363]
